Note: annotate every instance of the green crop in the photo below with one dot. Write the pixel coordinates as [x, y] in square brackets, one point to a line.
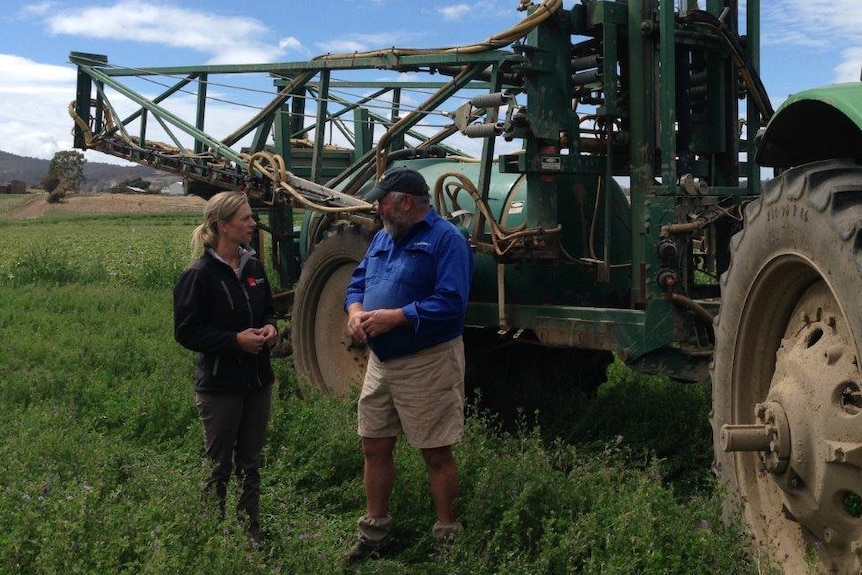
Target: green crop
[102, 449]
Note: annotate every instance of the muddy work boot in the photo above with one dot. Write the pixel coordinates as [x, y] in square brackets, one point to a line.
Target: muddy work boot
[444, 535]
[374, 535]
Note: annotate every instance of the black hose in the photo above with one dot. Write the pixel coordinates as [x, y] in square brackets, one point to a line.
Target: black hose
[749, 75]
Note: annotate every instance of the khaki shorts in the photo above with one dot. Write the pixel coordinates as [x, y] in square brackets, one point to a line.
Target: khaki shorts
[420, 396]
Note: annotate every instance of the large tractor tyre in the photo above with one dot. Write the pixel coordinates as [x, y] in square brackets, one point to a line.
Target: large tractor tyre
[324, 354]
[787, 389]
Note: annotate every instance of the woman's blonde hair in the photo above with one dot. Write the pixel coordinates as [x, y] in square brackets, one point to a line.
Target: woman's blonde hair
[219, 208]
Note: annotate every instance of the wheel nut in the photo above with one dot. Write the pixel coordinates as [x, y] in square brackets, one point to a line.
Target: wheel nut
[759, 410]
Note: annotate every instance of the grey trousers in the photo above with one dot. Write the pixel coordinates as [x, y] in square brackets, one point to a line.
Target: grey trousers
[234, 426]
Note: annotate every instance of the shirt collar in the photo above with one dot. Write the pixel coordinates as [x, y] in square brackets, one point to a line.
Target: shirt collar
[244, 255]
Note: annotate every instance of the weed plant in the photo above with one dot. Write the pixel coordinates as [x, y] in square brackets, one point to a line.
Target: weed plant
[102, 450]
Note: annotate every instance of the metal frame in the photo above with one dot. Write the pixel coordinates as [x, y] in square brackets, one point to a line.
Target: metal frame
[665, 132]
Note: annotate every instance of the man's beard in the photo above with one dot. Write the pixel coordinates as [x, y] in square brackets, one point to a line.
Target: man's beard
[398, 226]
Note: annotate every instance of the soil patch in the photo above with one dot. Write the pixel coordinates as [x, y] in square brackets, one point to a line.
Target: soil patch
[110, 204]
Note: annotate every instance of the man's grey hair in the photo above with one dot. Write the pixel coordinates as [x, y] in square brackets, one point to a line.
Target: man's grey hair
[421, 200]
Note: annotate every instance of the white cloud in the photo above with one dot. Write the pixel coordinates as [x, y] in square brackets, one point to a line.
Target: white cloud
[849, 70]
[807, 21]
[292, 44]
[454, 12]
[18, 70]
[42, 127]
[36, 9]
[365, 42]
[798, 39]
[342, 46]
[227, 39]
[818, 25]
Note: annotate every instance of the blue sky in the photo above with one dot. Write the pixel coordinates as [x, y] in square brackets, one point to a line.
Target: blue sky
[805, 43]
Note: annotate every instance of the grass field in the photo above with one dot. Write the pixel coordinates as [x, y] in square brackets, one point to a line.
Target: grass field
[101, 446]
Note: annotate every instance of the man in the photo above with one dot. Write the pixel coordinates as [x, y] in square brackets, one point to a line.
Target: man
[406, 300]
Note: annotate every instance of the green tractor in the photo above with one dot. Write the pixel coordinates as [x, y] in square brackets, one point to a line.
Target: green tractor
[606, 163]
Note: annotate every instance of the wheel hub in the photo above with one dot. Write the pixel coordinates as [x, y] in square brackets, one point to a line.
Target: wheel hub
[770, 436]
[804, 431]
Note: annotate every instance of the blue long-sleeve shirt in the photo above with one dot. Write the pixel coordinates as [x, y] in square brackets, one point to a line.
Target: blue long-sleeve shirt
[427, 274]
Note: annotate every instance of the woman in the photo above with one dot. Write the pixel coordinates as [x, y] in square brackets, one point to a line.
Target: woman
[223, 309]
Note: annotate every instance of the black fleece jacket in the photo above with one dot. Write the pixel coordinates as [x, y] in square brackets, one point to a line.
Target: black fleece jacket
[212, 305]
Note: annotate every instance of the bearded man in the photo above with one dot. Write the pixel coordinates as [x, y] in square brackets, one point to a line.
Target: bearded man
[407, 300]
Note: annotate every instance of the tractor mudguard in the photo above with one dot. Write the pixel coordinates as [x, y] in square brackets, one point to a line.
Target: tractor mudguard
[818, 124]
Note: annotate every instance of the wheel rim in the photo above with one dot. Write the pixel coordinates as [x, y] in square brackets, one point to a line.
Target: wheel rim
[797, 377]
[339, 359]
[325, 355]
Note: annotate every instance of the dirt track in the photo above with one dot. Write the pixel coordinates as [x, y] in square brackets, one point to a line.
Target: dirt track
[109, 204]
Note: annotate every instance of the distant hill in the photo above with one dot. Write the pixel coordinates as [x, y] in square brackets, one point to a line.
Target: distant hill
[99, 176]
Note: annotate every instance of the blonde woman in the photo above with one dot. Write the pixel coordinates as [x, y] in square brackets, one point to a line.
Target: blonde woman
[223, 310]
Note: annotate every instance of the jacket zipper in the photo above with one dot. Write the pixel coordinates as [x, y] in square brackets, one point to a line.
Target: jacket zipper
[251, 322]
[227, 294]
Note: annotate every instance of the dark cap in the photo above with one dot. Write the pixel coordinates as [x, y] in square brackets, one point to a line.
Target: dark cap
[398, 179]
